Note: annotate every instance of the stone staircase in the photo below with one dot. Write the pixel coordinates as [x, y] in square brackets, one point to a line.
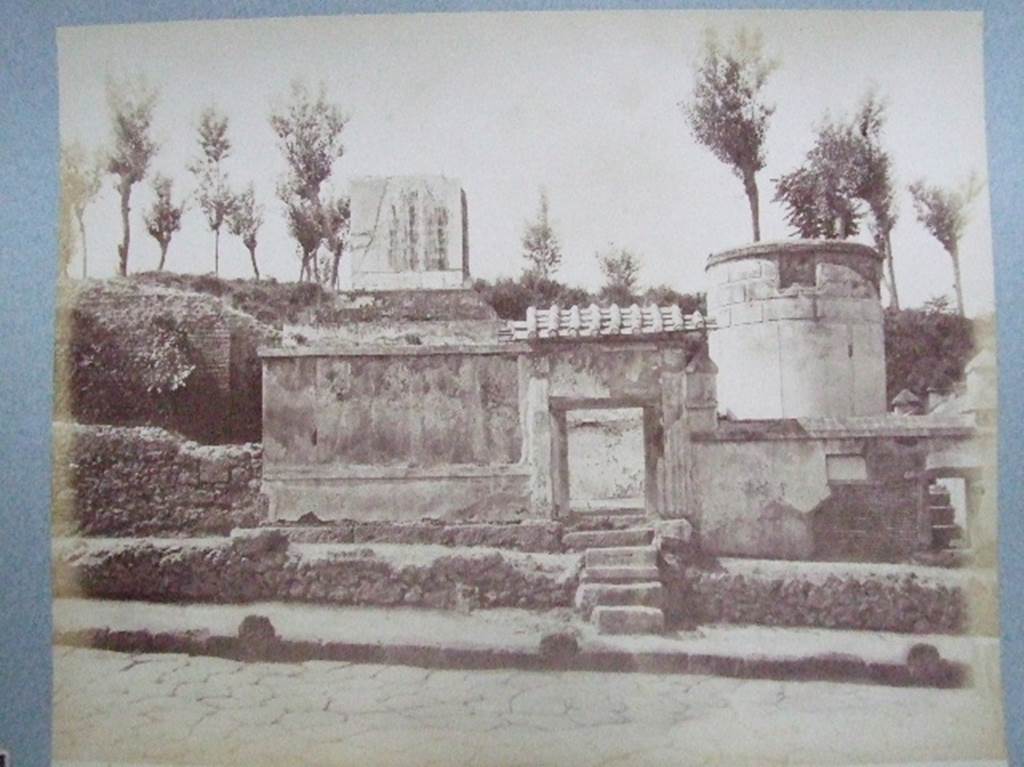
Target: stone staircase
[620, 588]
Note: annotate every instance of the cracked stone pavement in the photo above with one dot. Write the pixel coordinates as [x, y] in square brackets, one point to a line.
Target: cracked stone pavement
[173, 709]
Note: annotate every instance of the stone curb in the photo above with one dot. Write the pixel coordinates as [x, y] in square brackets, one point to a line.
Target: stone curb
[832, 667]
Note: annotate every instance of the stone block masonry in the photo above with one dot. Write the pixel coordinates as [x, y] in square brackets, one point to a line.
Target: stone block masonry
[130, 481]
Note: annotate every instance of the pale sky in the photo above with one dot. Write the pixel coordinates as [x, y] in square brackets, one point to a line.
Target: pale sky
[583, 104]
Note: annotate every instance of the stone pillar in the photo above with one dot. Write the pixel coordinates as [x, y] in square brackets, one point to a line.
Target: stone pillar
[537, 431]
[676, 433]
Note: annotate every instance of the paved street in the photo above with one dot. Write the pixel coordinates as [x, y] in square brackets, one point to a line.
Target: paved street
[113, 707]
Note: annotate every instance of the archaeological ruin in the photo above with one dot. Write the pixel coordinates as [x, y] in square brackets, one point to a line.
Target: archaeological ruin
[759, 431]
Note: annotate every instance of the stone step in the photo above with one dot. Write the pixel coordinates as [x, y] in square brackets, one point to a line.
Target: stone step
[620, 574]
[644, 594]
[591, 521]
[628, 620]
[621, 556]
[599, 539]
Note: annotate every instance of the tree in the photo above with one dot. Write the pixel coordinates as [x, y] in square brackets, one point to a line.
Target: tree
[621, 270]
[245, 221]
[81, 178]
[540, 244]
[216, 199]
[308, 129]
[821, 196]
[944, 213]
[131, 104]
[727, 113]
[877, 187]
[163, 218]
[846, 169]
[335, 233]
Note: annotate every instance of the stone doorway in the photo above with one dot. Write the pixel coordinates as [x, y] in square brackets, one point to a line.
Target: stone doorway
[605, 456]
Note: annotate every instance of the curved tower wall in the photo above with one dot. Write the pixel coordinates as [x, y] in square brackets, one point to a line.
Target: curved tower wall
[799, 329]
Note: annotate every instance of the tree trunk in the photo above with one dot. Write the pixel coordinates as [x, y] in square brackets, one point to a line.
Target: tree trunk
[252, 256]
[750, 187]
[334, 270]
[894, 296]
[125, 189]
[954, 253]
[216, 250]
[85, 252]
[163, 254]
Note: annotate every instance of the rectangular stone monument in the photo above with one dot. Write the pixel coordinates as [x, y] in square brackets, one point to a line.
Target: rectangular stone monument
[409, 233]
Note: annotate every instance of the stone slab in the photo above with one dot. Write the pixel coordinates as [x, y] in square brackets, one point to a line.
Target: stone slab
[622, 556]
[592, 539]
[620, 574]
[628, 620]
[591, 595]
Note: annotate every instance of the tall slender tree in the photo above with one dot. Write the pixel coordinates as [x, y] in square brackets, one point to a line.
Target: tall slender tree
[163, 218]
[245, 222]
[727, 112]
[131, 103]
[944, 213]
[215, 196]
[541, 248]
[81, 178]
[877, 187]
[308, 129]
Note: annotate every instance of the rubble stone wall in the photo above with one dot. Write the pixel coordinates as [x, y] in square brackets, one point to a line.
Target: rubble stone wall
[267, 567]
[132, 481]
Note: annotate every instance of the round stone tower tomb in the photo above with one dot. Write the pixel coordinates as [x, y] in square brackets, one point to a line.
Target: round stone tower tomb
[799, 329]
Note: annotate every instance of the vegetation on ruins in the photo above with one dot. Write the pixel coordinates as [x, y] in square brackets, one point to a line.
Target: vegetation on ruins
[163, 218]
[216, 199]
[845, 170]
[131, 103]
[727, 112]
[541, 248]
[621, 270]
[944, 213]
[81, 178]
[928, 348]
[308, 129]
[245, 221]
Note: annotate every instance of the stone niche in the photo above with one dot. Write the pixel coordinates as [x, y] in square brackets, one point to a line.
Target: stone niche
[409, 233]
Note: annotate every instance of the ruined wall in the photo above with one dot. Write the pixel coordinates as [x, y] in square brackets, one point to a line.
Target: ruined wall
[799, 329]
[133, 481]
[410, 433]
[825, 595]
[246, 570]
[769, 491]
[134, 353]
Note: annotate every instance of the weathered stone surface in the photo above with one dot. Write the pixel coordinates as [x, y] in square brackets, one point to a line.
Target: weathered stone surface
[130, 481]
[620, 574]
[591, 539]
[622, 556]
[673, 534]
[591, 595]
[628, 620]
[248, 569]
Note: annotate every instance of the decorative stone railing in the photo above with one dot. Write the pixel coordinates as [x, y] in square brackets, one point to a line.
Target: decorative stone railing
[594, 321]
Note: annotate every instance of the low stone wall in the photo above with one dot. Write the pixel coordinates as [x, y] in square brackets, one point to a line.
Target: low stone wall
[134, 481]
[267, 567]
[527, 535]
[907, 599]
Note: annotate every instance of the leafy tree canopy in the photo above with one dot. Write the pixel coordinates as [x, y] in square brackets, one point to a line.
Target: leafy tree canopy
[541, 248]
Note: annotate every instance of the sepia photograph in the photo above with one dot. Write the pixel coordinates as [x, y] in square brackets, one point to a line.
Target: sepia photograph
[526, 388]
